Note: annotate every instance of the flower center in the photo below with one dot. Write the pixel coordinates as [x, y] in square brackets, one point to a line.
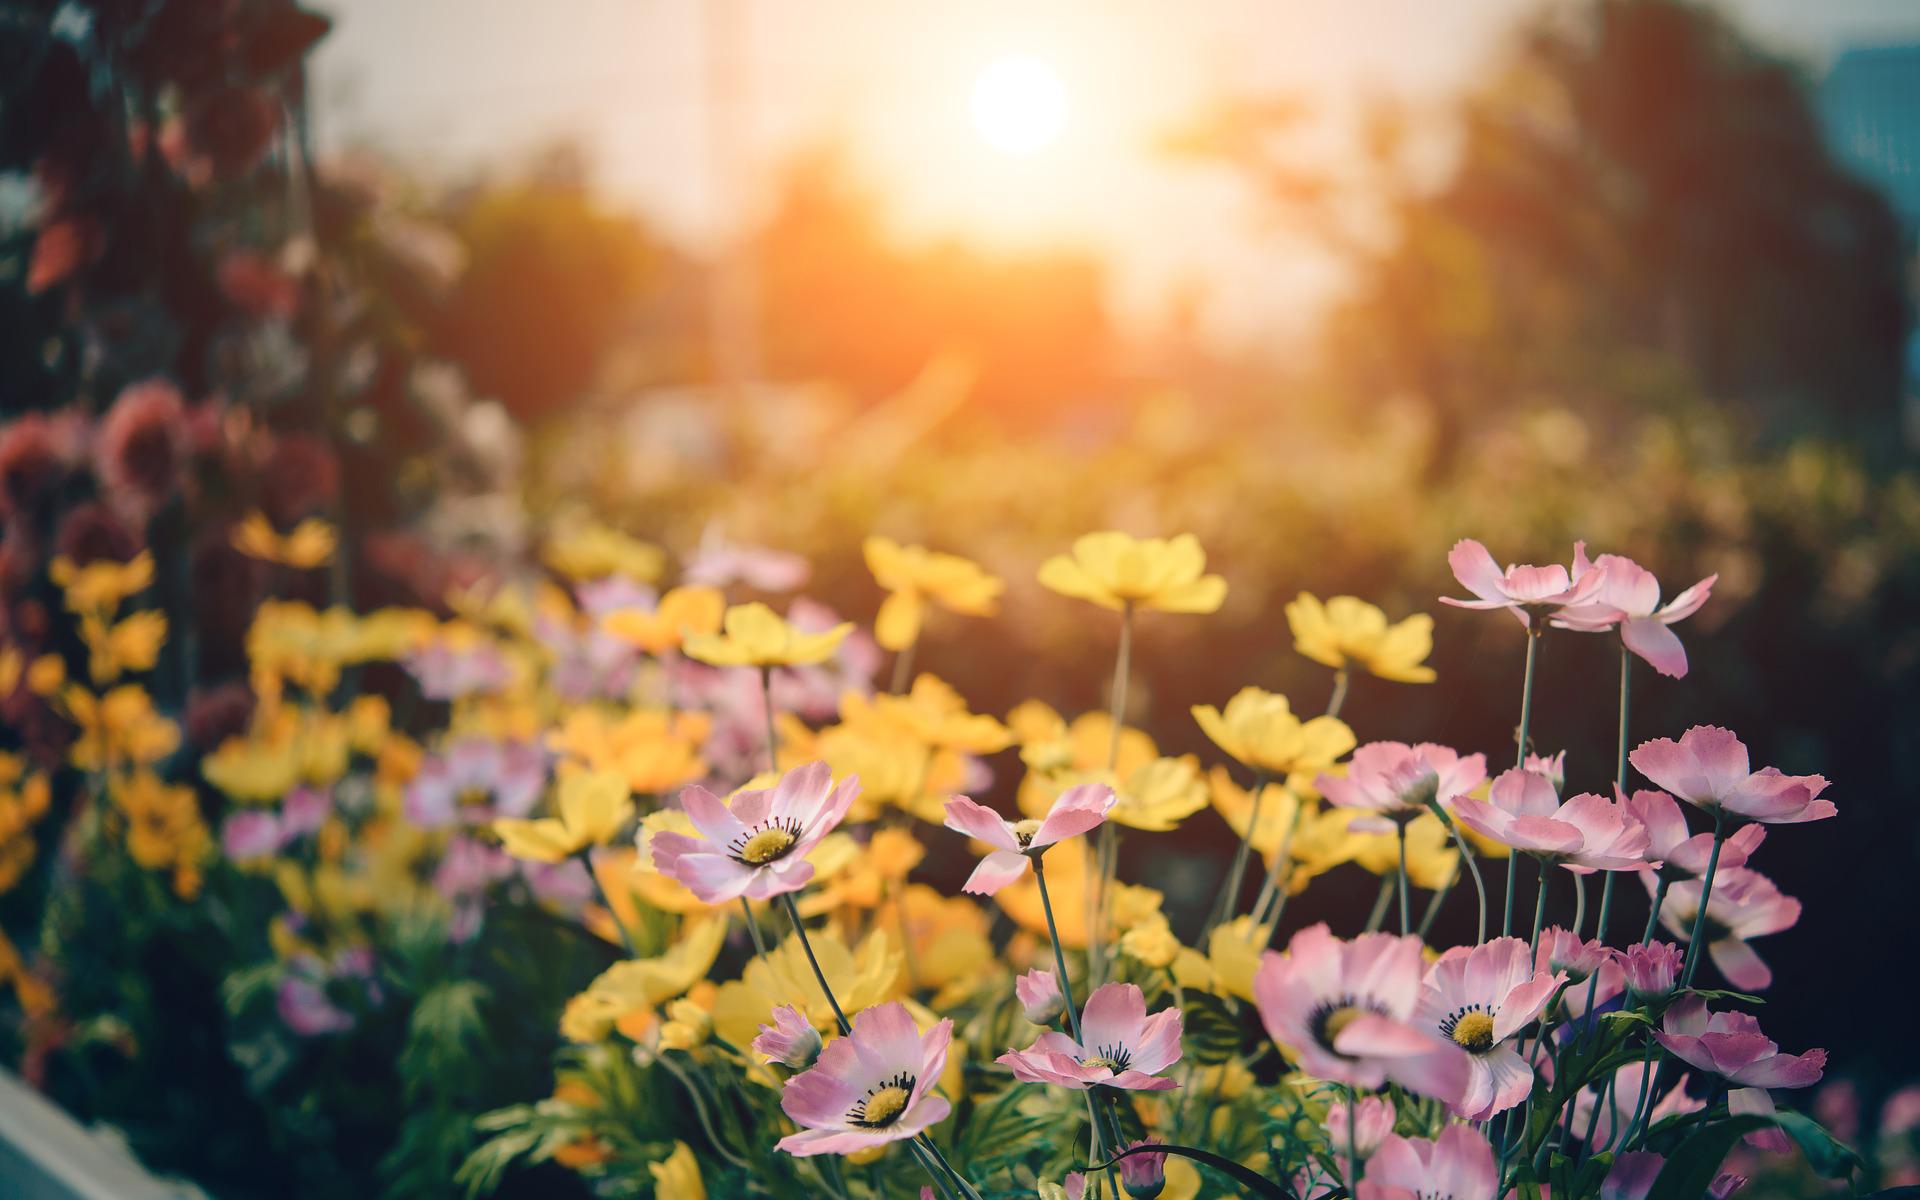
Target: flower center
[1024, 831]
[883, 1105]
[473, 797]
[761, 845]
[1329, 1019]
[1113, 1058]
[1474, 1030]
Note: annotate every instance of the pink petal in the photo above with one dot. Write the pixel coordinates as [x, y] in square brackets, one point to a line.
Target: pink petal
[1660, 646]
[980, 823]
[1078, 810]
[1477, 572]
[995, 871]
[1743, 968]
[710, 815]
[1114, 1016]
[1785, 1070]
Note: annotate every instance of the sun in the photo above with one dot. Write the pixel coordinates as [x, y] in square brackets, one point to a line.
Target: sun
[1019, 104]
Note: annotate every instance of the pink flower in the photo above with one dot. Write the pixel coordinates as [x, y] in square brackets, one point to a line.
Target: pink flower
[1348, 1011]
[1629, 597]
[1745, 904]
[250, 834]
[1523, 591]
[1618, 1105]
[1144, 1174]
[1730, 1045]
[1039, 995]
[1479, 998]
[1124, 1047]
[1682, 852]
[869, 1088]
[446, 672]
[1588, 966]
[756, 845]
[474, 781]
[1587, 833]
[1652, 969]
[1707, 767]
[1373, 1123]
[1399, 781]
[791, 1040]
[717, 562]
[1076, 811]
[1458, 1165]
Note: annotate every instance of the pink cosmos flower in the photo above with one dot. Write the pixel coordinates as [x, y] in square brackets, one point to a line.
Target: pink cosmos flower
[869, 1088]
[1730, 1045]
[1039, 995]
[717, 562]
[1629, 598]
[1707, 768]
[250, 833]
[791, 1040]
[756, 844]
[1685, 853]
[1076, 811]
[474, 781]
[1371, 1125]
[1124, 1047]
[1618, 1105]
[1479, 998]
[1745, 904]
[1587, 833]
[1348, 1010]
[1519, 590]
[1589, 966]
[1651, 969]
[446, 672]
[1458, 1165]
[1398, 781]
[1144, 1174]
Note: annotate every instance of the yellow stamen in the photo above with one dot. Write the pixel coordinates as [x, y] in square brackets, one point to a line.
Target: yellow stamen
[1338, 1020]
[473, 797]
[1474, 1031]
[1024, 830]
[765, 846]
[1108, 1063]
[884, 1106]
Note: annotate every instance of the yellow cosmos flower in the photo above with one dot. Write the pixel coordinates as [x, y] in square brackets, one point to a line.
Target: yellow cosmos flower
[682, 613]
[913, 575]
[307, 545]
[756, 636]
[1151, 943]
[1156, 796]
[1347, 630]
[932, 713]
[894, 769]
[1258, 728]
[948, 950]
[646, 982]
[1321, 843]
[164, 828]
[118, 727]
[677, 1177]
[101, 586]
[594, 806]
[1279, 811]
[129, 645]
[1431, 856]
[654, 751]
[591, 551]
[1116, 570]
[859, 979]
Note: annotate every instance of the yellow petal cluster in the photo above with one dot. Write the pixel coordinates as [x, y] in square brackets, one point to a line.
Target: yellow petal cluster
[654, 751]
[103, 585]
[683, 612]
[1259, 728]
[913, 576]
[644, 983]
[591, 551]
[1117, 570]
[755, 636]
[307, 545]
[859, 979]
[594, 806]
[1348, 631]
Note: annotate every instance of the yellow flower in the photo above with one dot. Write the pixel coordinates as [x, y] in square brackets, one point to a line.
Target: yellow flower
[932, 713]
[130, 645]
[1053, 749]
[653, 751]
[682, 613]
[1116, 570]
[46, 674]
[1279, 810]
[1233, 958]
[307, 545]
[756, 636]
[118, 727]
[587, 1150]
[594, 806]
[859, 979]
[1431, 856]
[101, 586]
[259, 767]
[687, 1026]
[164, 828]
[912, 575]
[677, 1177]
[1066, 864]
[592, 551]
[1161, 794]
[1260, 730]
[894, 853]
[646, 983]
[1151, 943]
[1321, 843]
[1348, 630]
[947, 943]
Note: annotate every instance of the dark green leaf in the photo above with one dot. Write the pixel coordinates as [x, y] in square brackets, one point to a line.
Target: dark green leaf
[1691, 1168]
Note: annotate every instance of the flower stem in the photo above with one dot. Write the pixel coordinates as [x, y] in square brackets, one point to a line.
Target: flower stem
[1228, 901]
[1339, 697]
[1706, 894]
[903, 667]
[1380, 902]
[1539, 907]
[800, 931]
[1653, 916]
[1108, 860]
[1406, 917]
[934, 1151]
[626, 939]
[1066, 993]
[1122, 662]
[773, 739]
[753, 928]
[1520, 753]
[1353, 1151]
[1580, 902]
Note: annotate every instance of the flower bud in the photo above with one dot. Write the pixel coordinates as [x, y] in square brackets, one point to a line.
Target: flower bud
[1144, 1175]
[1652, 970]
[791, 1040]
[1039, 993]
[1374, 1123]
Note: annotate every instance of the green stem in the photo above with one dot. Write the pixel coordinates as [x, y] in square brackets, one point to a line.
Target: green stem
[800, 931]
[1122, 661]
[1579, 901]
[1520, 753]
[1339, 697]
[753, 928]
[1473, 869]
[1406, 917]
[773, 739]
[1539, 905]
[1228, 901]
[1706, 894]
[933, 1150]
[1380, 902]
[1353, 1153]
[1066, 994]
[903, 667]
[1659, 901]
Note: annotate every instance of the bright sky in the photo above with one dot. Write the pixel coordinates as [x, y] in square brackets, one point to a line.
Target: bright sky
[457, 85]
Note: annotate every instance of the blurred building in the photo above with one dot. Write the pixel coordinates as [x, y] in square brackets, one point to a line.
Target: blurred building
[1870, 105]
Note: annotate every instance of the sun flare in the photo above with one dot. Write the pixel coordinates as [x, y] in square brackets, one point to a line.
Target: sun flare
[1019, 105]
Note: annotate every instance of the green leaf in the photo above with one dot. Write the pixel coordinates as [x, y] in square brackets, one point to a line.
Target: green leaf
[1691, 1168]
[1210, 1029]
[1830, 1158]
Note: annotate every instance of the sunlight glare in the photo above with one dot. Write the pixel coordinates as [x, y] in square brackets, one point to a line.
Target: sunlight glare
[1019, 105]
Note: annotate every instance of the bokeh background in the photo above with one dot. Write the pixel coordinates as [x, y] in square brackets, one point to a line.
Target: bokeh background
[1328, 285]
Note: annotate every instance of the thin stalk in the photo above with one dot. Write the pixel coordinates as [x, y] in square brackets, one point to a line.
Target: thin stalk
[1066, 993]
[1406, 917]
[1353, 1152]
[1580, 903]
[1339, 697]
[800, 931]
[626, 939]
[941, 1183]
[1122, 663]
[1228, 901]
[753, 928]
[1539, 906]
[1109, 851]
[1706, 894]
[773, 739]
[1520, 751]
[1380, 903]
[966, 1188]
[1653, 916]
[1473, 868]
[903, 667]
